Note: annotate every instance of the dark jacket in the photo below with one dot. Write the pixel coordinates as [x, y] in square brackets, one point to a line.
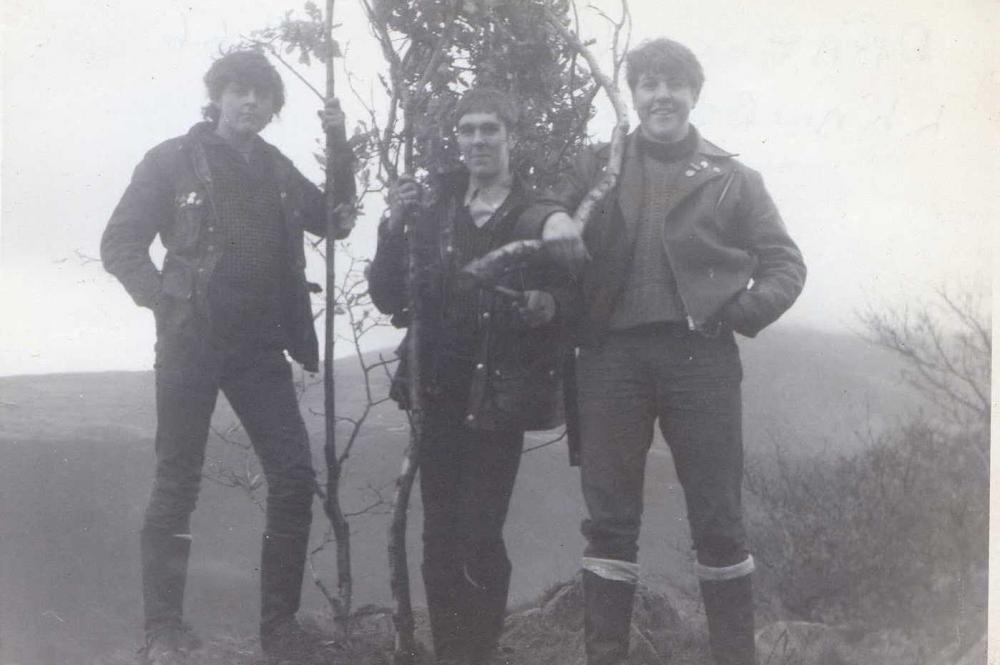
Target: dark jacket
[171, 194]
[733, 260]
[517, 378]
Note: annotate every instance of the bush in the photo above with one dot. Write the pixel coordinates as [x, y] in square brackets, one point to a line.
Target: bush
[892, 537]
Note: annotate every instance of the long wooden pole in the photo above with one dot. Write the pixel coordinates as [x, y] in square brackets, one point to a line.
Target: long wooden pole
[336, 149]
[406, 646]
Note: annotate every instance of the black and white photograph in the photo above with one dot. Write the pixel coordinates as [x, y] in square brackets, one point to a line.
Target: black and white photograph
[497, 332]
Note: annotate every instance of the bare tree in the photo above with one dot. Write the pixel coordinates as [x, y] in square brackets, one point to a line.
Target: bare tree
[946, 344]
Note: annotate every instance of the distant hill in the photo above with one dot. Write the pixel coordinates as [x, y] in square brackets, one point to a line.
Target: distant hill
[76, 462]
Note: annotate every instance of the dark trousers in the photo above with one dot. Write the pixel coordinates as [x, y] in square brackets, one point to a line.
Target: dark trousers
[466, 480]
[690, 384]
[258, 384]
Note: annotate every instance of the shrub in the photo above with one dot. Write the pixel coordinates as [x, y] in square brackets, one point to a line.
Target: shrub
[892, 537]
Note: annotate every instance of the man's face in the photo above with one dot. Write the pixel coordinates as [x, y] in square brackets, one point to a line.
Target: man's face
[663, 104]
[244, 110]
[484, 142]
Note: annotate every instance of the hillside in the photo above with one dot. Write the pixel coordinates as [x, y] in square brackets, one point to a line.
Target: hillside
[76, 461]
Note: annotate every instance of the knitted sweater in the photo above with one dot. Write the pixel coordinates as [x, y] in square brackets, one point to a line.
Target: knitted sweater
[650, 294]
[245, 291]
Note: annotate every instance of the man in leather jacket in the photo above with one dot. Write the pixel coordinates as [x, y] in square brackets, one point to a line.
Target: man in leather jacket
[230, 299]
[490, 368]
[688, 249]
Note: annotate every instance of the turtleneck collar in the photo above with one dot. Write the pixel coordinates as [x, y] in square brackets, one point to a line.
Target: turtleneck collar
[669, 152]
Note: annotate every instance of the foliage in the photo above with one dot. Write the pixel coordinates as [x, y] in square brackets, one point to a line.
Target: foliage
[893, 537]
[437, 49]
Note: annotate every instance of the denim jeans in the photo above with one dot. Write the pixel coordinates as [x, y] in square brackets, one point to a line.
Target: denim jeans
[690, 383]
[190, 372]
[466, 481]
[258, 384]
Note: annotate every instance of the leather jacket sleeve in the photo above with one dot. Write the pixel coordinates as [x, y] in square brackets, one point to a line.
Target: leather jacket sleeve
[387, 274]
[780, 273]
[313, 200]
[144, 209]
[565, 196]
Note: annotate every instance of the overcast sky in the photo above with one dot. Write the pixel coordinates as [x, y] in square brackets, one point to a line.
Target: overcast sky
[875, 126]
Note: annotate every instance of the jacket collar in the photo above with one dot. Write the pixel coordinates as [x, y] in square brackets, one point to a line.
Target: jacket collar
[708, 149]
[203, 133]
[706, 163]
[703, 146]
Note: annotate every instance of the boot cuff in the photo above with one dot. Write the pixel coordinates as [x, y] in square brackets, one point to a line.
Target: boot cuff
[612, 569]
[714, 574]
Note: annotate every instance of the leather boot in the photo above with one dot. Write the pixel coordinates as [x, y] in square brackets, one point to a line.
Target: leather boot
[729, 610]
[164, 574]
[282, 566]
[607, 619]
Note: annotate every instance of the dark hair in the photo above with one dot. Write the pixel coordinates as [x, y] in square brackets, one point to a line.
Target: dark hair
[664, 57]
[248, 67]
[488, 100]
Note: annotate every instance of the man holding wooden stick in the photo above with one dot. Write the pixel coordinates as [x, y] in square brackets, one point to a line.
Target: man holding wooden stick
[688, 249]
[229, 301]
[490, 368]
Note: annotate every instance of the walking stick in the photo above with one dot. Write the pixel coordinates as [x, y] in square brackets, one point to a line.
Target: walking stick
[406, 647]
[338, 170]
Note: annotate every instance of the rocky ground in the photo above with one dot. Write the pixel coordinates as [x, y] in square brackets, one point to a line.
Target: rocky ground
[549, 633]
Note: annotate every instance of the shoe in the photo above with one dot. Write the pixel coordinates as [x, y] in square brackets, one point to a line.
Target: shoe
[288, 643]
[169, 645]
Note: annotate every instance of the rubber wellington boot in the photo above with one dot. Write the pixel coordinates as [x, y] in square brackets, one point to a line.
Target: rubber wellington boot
[607, 619]
[729, 610]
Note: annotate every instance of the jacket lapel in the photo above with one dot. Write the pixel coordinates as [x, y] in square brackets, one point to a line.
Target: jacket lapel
[202, 171]
[707, 163]
[630, 189]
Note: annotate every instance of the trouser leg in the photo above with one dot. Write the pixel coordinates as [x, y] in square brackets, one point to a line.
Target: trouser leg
[701, 419]
[164, 576]
[487, 482]
[616, 418]
[444, 581]
[260, 389]
[185, 398]
[466, 480]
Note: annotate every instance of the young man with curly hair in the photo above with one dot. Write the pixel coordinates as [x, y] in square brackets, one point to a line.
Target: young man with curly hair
[230, 299]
